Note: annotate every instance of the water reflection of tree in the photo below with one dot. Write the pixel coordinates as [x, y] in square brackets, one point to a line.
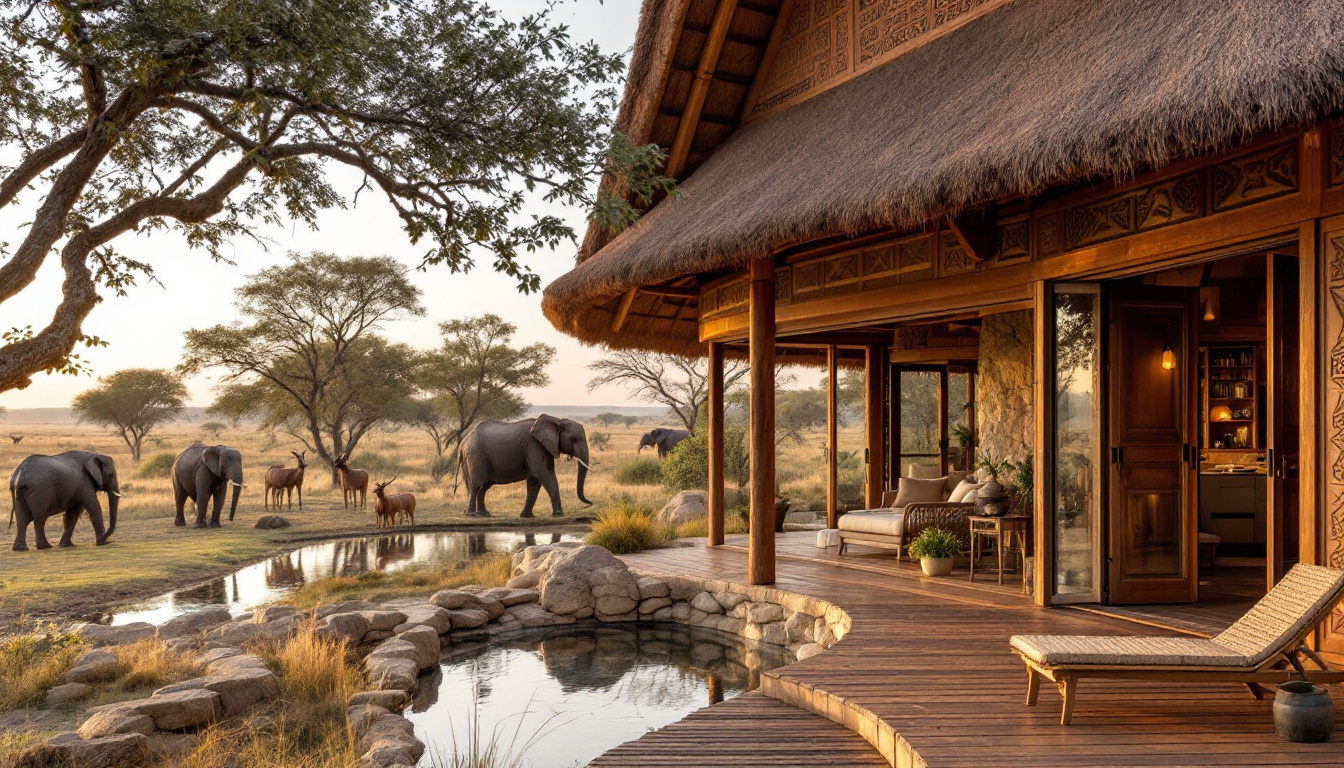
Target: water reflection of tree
[393, 549]
[214, 592]
[476, 545]
[285, 570]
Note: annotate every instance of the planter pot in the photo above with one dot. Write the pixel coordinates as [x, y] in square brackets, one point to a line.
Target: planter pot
[1303, 712]
[936, 566]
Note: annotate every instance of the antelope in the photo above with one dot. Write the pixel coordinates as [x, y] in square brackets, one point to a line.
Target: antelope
[387, 508]
[16, 438]
[352, 481]
[282, 480]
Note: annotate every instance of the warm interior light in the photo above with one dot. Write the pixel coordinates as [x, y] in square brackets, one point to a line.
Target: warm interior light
[1168, 359]
[1209, 316]
[1220, 413]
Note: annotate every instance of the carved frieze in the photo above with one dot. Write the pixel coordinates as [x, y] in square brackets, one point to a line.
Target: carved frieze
[1334, 449]
[879, 262]
[885, 25]
[1013, 240]
[912, 337]
[952, 258]
[1047, 235]
[806, 278]
[1156, 205]
[842, 269]
[783, 294]
[1258, 176]
[815, 49]
[733, 295]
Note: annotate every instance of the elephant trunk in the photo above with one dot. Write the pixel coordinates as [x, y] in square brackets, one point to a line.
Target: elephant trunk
[113, 501]
[237, 484]
[581, 453]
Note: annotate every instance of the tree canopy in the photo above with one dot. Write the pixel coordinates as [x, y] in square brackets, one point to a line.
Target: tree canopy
[473, 376]
[309, 362]
[216, 120]
[132, 402]
[680, 383]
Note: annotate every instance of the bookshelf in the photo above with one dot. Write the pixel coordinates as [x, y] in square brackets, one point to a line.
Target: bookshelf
[1231, 414]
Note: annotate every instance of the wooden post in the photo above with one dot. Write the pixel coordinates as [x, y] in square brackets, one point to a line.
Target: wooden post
[872, 426]
[715, 443]
[832, 441]
[1043, 398]
[761, 555]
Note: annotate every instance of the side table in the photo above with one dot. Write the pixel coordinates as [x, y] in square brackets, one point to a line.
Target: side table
[1012, 527]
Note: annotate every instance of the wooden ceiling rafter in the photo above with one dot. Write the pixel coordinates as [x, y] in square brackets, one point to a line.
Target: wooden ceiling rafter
[695, 99]
[767, 59]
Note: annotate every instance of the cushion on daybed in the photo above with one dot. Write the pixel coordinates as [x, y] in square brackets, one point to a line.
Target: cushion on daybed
[913, 490]
[1085, 650]
[883, 521]
[922, 472]
[963, 488]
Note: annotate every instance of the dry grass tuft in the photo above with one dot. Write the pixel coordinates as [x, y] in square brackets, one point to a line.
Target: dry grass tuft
[490, 570]
[623, 527]
[150, 664]
[305, 727]
[34, 658]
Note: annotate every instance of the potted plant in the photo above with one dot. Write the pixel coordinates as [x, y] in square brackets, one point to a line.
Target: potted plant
[993, 497]
[935, 547]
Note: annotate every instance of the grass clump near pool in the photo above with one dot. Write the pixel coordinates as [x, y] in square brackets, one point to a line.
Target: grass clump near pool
[489, 570]
[34, 659]
[624, 527]
[640, 471]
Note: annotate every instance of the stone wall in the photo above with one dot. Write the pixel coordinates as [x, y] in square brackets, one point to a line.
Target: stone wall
[1005, 419]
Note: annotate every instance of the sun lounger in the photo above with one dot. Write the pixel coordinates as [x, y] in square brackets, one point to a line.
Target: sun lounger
[1264, 647]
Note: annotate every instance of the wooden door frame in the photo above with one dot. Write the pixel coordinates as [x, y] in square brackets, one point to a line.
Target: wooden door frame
[945, 370]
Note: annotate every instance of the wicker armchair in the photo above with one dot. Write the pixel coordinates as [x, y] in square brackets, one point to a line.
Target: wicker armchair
[941, 514]
[903, 525]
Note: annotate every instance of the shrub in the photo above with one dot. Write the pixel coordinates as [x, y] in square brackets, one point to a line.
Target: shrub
[158, 465]
[935, 543]
[623, 528]
[34, 659]
[599, 440]
[441, 466]
[376, 464]
[640, 472]
[686, 468]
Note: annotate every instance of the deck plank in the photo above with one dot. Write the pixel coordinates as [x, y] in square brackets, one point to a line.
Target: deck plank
[930, 659]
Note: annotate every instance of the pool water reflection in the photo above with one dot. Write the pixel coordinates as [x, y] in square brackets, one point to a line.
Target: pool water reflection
[569, 694]
[269, 580]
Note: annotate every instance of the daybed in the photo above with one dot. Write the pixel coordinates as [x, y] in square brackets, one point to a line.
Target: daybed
[918, 503]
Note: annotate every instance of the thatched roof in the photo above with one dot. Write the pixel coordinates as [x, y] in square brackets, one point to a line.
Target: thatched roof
[1033, 94]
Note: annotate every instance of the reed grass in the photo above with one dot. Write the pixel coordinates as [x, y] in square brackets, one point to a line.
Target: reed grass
[489, 570]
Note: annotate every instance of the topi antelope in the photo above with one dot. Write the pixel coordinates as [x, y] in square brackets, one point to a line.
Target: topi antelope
[387, 508]
[352, 481]
[282, 480]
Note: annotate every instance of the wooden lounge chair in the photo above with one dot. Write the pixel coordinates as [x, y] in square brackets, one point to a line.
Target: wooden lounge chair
[1264, 647]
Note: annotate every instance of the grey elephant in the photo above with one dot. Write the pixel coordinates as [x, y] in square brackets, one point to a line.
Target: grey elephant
[663, 439]
[202, 473]
[497, 453]
[65, 484]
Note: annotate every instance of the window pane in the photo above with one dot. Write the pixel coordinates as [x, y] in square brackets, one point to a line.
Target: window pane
[959, 450]
[919, 413]
[1076, 442]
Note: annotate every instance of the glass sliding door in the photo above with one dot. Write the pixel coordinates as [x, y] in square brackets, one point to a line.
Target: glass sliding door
[1076, 456]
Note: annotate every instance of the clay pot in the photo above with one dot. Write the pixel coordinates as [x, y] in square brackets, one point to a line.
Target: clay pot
[936, 566]
[1303, 712]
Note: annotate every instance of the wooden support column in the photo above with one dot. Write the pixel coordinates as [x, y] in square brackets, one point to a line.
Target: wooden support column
[832, 441]
[1043, 398]
[872, 426]
[761, 554]
[715, 443]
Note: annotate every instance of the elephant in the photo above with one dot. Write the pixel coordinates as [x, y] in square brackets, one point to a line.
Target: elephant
[663, 439]
[202, 473]
[67, 483]
[496, 453]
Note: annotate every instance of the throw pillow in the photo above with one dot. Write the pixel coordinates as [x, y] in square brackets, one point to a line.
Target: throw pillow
[921, 472]
[963, 488]
[914, 490]
[972, 495]
[955, 477]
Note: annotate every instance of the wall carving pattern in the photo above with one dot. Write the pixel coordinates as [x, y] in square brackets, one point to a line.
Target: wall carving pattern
[1337, 156]
[1334, 448]
[826, 41]
[1225, 184]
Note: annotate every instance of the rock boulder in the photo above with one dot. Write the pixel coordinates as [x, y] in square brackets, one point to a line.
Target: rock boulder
[683, 508]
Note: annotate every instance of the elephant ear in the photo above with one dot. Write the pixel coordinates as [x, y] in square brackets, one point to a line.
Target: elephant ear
[212, 458]
[94, 468]
[546, 430]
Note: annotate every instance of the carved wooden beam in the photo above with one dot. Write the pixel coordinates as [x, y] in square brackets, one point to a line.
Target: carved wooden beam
[695, 100]
[975, 232]
[671, 291]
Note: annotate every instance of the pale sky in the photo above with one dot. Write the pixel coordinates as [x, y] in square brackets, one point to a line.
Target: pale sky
[144, 329]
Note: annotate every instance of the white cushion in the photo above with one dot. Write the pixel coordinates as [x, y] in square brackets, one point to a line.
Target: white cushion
[963, 488]
[972, 494]
[955, 476]
[913, 490]
[828, 537]
[885, 522]
[922, 472]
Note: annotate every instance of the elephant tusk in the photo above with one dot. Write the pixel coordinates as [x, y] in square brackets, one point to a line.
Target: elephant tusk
[119, 495]
[584, 463]
[240, 485]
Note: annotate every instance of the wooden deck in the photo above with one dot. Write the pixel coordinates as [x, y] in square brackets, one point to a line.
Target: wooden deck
[926, 677]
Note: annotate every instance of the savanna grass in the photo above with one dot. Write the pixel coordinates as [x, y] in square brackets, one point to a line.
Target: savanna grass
[490, 570]
[34, 658]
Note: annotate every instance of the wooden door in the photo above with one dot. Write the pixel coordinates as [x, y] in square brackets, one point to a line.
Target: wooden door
[1282, 442]
[1153, 454]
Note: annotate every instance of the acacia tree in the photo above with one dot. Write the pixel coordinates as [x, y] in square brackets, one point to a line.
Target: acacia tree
[309, 362]
[217, 119]
[680, 383]
[132, 402]
[474, 376]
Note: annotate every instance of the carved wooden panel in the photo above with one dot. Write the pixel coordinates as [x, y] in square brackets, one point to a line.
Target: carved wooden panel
[952, 258]
[912, 337]
[1337, 156]
[1012, 240]
[1047, 236]
[709, 301]
[1332, 311]
[734, 295]
[816, 47]
[842, 269]
[1156, 205]
[1258, 176]
[825, 42]
[806, 278]
[879, 262]
[783, 294]
[915, 257]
